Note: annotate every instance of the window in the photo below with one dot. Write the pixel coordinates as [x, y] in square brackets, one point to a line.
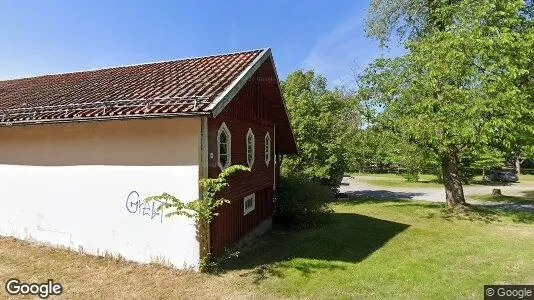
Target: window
[224, 145]
[267, 148]
[249, 203]
[250, 148]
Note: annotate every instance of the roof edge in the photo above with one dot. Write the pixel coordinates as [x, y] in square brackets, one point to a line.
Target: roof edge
[129, 65]
[284, 104]
[219, 103]
[102, 119]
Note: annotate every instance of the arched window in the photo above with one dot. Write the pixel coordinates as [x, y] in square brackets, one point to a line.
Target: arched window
[267, 148]
[224, 146]
[250, 148]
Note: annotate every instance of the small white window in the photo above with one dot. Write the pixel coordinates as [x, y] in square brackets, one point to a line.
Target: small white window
[250, 148]
[224, 147]
[249, 203]
[267, 148]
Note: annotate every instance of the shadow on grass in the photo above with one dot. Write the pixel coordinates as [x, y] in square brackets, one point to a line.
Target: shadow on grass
[371, 200]
[517, 215]
[486, 214]
[526, 198]
[381, 194]
[517, 212]
[347, 238]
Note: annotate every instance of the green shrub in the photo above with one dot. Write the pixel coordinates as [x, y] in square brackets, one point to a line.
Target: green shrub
[301, 203]
[411, 176]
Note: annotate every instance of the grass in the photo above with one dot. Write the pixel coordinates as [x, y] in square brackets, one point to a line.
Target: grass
[526, 178]
[426, 180]
[393, 180]
[424, 177]
[91, 277]
[526, 198]
[370, 249]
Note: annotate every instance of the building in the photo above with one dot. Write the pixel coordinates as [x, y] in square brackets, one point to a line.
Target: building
[80, 151]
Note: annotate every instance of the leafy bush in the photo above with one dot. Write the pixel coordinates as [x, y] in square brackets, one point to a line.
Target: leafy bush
[411, 176]
[301, 203]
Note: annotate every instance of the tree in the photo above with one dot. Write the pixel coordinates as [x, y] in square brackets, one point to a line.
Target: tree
[321, 122]
[486, 158]
[367, 148]
[376, 149]
[522, 151]
[414, 160]
[459, 86]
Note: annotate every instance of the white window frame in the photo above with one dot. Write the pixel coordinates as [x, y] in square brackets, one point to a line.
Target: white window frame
[224, 129]
[267, 148]
[251, 208]
[250, 133]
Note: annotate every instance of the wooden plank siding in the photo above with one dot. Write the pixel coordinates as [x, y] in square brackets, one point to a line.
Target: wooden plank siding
[249, 109]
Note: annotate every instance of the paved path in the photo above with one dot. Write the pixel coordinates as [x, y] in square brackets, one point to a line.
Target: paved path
[359, 187]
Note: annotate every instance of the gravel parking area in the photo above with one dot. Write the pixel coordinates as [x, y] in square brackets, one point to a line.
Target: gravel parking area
[357, 186]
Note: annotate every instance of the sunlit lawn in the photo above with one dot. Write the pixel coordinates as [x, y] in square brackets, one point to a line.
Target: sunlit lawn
[529, 178]
[394, 180]
[395, 249]
[370, 249]
[425, 180]
[525, 198]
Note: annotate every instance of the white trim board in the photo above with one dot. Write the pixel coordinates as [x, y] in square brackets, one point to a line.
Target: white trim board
[225, 97]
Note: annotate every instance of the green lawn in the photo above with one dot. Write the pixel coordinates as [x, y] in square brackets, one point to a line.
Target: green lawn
[393, 180]
[526, 198]
[394, 249]
[526, 178]
[426, 180]
[424, 177]
[370, 249]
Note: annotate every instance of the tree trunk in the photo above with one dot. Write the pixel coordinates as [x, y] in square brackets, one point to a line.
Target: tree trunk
[518, 165]
[450, 166]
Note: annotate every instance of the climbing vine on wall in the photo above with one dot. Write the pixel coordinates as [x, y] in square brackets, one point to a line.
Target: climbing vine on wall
[203, 210]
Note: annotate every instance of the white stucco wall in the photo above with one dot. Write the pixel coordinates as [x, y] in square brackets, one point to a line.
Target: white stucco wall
[79, 186]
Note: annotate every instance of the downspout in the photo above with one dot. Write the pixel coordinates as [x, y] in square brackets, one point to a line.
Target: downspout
[274, 157]
[203, 173]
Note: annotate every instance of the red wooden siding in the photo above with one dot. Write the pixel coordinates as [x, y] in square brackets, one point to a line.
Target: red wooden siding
[249, 109]
[231, 225]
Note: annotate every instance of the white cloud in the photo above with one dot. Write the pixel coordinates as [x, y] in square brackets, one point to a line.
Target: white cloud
[343, 50]
[334, 54]
[233, 37]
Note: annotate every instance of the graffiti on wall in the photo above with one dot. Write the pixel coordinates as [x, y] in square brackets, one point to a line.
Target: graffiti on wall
[135, 205]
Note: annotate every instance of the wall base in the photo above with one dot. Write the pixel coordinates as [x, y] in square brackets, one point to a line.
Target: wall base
[258, 231]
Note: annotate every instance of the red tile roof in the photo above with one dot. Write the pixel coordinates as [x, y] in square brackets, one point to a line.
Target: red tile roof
[173, 88]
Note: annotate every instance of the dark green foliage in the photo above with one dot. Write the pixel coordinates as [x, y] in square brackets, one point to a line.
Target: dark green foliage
[322, 122]
[301, 203]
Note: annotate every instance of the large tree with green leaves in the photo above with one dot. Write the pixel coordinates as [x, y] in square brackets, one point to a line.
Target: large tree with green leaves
[461, 84]
[322, 123]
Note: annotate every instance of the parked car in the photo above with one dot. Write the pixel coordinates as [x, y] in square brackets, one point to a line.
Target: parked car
[502, 176]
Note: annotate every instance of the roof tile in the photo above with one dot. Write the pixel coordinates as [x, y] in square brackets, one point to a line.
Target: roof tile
[184, 86]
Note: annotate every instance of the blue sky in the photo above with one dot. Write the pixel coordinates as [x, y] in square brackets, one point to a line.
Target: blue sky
[44, 37]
